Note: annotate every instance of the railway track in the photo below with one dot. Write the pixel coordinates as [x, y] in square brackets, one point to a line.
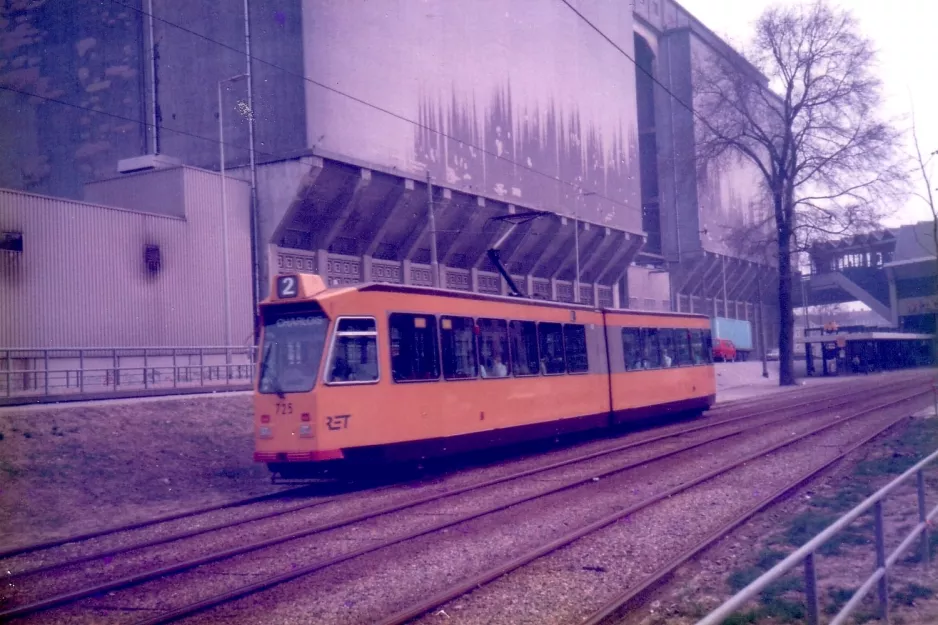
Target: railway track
[606, 614]
[813, 405]
[775, 401]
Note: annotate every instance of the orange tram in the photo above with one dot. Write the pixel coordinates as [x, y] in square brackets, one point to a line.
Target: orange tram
[383, 372]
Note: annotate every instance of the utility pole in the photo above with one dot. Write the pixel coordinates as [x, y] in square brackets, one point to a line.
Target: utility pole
[434, 261]
[224, 213]
[726, 304]
[255, 240]
[765, 358]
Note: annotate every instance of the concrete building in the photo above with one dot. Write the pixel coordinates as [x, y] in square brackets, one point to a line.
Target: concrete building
[368, 114]
[894, 272]
[141, 265]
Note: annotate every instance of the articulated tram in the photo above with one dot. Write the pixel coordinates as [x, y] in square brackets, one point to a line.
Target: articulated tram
[383, 372]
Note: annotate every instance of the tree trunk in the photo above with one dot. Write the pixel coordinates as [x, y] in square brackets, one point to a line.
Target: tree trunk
[786, 359]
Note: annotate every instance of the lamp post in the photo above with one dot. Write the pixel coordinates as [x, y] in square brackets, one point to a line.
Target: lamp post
[224, 212]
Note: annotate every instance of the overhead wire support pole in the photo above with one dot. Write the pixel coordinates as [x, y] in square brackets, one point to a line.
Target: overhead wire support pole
[434, 261]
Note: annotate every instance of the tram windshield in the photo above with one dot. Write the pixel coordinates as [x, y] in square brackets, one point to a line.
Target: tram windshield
[291, 351]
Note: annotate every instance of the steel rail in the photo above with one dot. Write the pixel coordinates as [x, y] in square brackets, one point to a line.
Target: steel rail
[57, 542]
[192, 533]
[609, 610]
[409, 613]
[469, 585]
[183, 566]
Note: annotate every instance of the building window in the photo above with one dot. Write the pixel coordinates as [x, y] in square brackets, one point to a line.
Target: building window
[11, 241]
[493, 349]
[414, 353]
[550, 341]
[574, 340]
[458, 341]
[354, 355]
[523, 342]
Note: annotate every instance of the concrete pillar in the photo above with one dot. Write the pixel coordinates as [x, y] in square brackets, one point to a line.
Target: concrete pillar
[595, 295]
[474, 280]
[553, 289]
[528, 285]
[366, 268]
[322, 265]
[405, 272]
[616, 297]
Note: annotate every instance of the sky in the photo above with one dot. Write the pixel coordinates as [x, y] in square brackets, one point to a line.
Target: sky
[903, 33]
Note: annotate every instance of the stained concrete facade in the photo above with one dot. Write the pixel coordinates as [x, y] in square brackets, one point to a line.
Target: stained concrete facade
[355, 104]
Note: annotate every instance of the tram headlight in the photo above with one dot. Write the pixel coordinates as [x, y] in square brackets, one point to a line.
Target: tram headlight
[265, 432]
[306, 430]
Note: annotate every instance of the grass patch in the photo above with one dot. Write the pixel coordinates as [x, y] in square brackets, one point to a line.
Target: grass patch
[743, 618]
[780, 610]
[838, 599]
[890, 465]
[915, 553]
[807, 525]
[773, 603]
[910, 593]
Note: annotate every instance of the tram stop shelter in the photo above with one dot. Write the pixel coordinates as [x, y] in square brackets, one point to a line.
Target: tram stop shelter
[865, 350]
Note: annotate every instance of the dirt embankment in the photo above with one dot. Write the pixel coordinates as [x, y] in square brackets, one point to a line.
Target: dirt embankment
[67, 469]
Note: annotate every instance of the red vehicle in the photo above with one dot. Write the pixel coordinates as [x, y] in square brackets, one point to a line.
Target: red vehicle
[724, 350]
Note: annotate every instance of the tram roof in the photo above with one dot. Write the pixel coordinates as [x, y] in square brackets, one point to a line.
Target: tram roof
[528, 301]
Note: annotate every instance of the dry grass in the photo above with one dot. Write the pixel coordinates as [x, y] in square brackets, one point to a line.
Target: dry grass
[70, 469]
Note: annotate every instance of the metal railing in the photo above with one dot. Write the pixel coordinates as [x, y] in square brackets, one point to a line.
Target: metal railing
[29, 375]
[806, 554]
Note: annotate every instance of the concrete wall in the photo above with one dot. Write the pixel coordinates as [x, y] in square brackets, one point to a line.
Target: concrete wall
[82, 279]
[90, 60]
[730, 190]
[528, 82]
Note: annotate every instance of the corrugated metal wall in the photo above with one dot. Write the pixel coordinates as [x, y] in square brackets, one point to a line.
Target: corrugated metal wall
[82, 279]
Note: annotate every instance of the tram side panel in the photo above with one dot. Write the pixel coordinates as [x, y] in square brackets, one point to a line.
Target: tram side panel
[650, 375]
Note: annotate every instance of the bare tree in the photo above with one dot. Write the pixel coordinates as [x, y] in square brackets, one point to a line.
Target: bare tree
[924, 166]
[809, 122]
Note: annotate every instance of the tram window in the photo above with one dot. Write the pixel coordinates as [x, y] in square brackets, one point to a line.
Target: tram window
[708, 347]
[414, 352]
[458, 342]
[493, 349]
[652, 350]
[682, 347]
[550, 341]
[523, 342]
[697, 347]
[354, 356]
[574, 341]
[666, 341]
[292, 348]
[632, 348]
